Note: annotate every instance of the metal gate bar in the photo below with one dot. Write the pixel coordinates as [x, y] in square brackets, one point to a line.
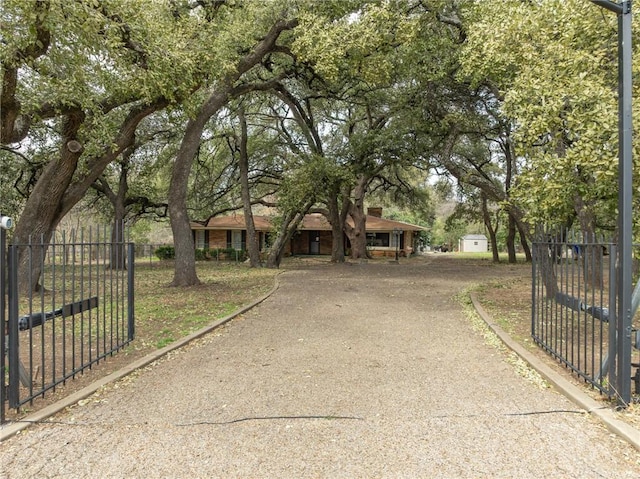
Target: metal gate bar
[82, 313]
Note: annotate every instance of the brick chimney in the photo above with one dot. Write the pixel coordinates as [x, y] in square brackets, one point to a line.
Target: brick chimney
[377, 212]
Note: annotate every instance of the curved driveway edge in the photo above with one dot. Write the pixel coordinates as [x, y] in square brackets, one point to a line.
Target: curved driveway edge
[11, 428]
[573, 393]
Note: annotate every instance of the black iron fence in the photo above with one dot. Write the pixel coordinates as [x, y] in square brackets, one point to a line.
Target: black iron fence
[70, 305]
[574, 306]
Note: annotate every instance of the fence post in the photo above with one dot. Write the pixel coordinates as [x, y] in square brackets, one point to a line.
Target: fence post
[534, 280]
[3, 323]
[613, 319]
[14, 356]
[130, 292]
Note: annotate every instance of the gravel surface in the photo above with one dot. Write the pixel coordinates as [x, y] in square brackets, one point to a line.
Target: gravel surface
[357, 371]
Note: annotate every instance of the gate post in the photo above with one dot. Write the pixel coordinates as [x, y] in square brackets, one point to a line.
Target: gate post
[3, 323]
[625, 221]
[14, 356]
[625, 192]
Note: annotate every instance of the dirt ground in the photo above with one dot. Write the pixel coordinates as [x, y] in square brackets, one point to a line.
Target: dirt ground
[503, 289]
[356, 370]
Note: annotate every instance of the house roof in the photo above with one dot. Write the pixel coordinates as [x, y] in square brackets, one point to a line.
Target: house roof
[375, 223]
[311, 222]
[474, 237]
[233, 222]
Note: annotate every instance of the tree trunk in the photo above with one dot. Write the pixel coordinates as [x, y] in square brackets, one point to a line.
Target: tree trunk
[523, 230]
[118, 257]
[337, 220]
[492, 232]
[253, 247]
[358, 232]
[591, 255]
[55, 194]
[14, 126]
[184, 273]
[546, 262]
[511, 240]
[524, 240]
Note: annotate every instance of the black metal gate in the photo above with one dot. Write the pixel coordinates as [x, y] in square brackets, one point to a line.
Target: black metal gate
[574, 307]
[68, 305]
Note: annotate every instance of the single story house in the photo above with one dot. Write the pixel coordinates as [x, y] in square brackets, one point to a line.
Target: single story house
[473, 244]
[313, 237]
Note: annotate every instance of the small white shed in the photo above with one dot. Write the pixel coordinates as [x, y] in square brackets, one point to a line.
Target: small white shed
[473, 244]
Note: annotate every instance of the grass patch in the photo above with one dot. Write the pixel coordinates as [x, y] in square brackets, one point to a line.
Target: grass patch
[165, 314]
[521, 367]
[508, 302]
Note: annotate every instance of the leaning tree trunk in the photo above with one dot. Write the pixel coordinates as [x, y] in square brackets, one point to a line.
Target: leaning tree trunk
[185, 264]
[60, 186]
[545, 261]
[41, 213]
[524, 241]
[289, 225]
[253, 248]
[276, 252]
[184, 273]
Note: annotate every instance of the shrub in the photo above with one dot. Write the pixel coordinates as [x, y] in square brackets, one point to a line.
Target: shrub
[228, 254]
[165, 252]
[203, 254]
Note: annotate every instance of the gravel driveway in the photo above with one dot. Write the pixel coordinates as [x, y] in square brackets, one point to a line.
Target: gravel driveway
[347, 371]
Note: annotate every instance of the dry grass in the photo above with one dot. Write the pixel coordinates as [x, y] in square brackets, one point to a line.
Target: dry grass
[165, 314]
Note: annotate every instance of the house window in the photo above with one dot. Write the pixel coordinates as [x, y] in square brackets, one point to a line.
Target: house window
[236, 239]
[397, 240]
[267, 241]
[200, 243]
[475, 243]
[378, 239]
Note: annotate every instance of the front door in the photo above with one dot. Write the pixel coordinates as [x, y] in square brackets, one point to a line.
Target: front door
[314, 242]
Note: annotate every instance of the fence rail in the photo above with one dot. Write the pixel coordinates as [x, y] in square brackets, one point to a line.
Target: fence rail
[70, 306]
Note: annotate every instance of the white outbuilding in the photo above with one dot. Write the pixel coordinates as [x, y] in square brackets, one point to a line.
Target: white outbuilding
[473, 244]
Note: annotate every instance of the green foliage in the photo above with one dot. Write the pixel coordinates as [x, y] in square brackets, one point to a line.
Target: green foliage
[229, 254]
[555, 63]
[165, 252]
[378, 79]
[205, 254]
[202, 254]
[356, 42]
